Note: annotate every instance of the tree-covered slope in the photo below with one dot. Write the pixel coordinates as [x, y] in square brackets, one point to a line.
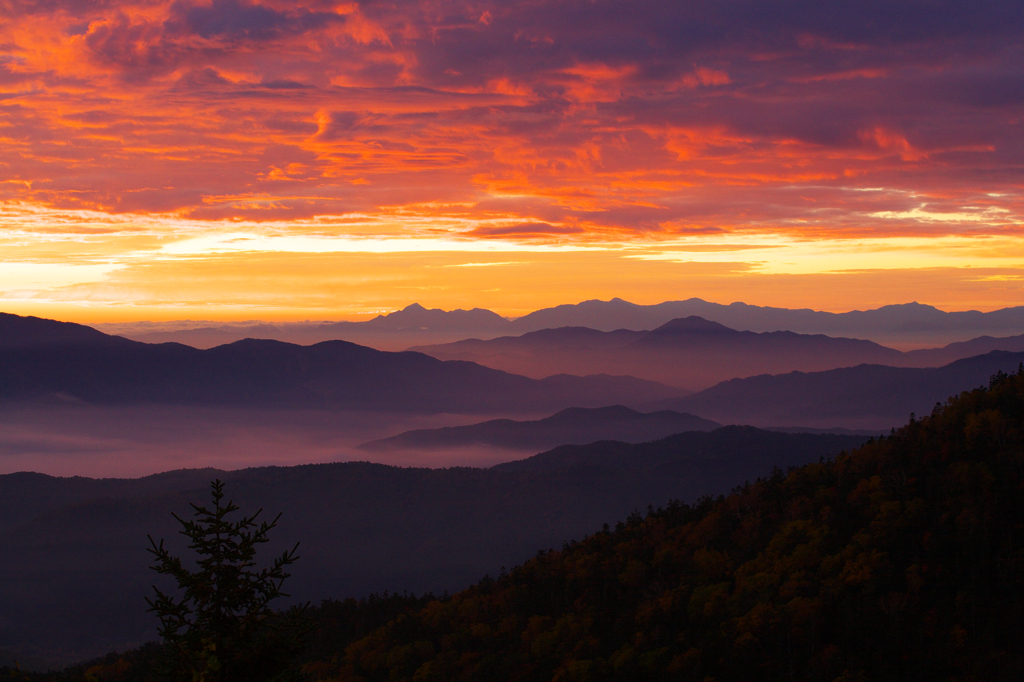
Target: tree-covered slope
[903, 560]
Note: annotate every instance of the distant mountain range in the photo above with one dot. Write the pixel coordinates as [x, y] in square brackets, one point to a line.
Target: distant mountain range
[575, 426]
[73, 566]
[692, 352]
[910, 325]
[46, 360]
[861, 397]
[904, 324]
[395, 331]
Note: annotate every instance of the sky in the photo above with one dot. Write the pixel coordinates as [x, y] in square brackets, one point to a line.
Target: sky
[310, 159]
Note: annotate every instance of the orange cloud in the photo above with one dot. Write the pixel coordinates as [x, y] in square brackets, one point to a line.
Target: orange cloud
[551, 122]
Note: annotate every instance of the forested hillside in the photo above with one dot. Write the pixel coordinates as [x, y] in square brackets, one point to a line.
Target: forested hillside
[903, 560]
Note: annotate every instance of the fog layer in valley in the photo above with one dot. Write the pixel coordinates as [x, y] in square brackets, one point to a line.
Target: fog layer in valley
[101, 442]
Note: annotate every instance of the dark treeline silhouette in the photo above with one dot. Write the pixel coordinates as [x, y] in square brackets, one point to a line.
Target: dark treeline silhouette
[335, 625]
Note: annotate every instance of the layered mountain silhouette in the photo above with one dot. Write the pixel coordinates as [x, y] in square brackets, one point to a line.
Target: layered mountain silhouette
[695, 353]
[865, 396]
[73, 566]
[45, 360]
[570, 426]
[209, 337]
[690, 352]
[41, 359]
[904, 325]
[394, 331]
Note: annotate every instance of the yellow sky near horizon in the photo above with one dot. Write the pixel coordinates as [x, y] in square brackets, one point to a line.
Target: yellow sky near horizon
[90, 267]
[319, 159]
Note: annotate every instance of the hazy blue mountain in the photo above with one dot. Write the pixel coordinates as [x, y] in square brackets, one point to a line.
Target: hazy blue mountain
[111, 370]
[73, 566]
[570, 426]
[690, 352]
[936, 357]
[865, 396]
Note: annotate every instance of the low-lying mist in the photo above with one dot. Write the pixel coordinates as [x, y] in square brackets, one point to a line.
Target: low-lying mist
[119, 442]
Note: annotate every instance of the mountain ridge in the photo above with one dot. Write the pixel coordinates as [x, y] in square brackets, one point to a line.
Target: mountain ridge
[112, 370]
[908, 325]
[691, 352]
[859, 397]
[573, 426]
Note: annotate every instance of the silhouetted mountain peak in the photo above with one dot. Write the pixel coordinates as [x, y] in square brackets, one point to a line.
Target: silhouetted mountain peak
[596, 302]
[912, 307]
[415, 316]
[693, 325]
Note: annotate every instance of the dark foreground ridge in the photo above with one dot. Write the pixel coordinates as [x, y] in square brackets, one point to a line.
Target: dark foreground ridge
[73, 565]
[902, 560]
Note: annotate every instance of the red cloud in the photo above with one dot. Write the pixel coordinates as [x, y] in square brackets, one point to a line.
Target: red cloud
[650, 116]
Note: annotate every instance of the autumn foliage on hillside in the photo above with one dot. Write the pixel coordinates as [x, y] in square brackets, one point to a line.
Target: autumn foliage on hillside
[903, 560]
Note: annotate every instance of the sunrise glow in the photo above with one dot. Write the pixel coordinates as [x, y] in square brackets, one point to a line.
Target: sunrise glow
[288, 160]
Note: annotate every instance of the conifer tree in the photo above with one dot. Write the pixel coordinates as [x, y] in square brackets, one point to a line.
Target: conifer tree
[222, 628]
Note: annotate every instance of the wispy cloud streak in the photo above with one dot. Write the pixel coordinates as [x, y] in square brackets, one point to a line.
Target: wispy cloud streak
[582, 122]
